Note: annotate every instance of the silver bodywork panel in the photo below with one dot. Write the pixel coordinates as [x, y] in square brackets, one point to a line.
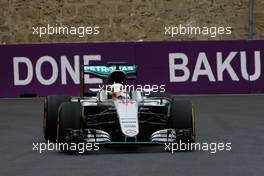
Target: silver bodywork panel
[127, 111]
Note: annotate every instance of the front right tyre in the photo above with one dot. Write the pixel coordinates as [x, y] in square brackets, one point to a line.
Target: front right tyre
[51, 106]
[70, 117]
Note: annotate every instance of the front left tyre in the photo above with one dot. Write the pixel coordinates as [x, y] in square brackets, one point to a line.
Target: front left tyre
[182, 118]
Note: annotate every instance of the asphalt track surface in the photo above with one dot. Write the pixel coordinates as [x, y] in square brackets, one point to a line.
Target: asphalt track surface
[236, 119]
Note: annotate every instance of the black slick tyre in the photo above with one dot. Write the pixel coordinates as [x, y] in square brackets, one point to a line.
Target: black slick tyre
[51, 106]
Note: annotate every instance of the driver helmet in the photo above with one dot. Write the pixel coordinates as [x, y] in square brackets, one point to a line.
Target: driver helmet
[116, 90]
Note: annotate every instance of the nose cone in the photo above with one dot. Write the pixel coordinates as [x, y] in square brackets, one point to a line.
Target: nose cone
[127, 111]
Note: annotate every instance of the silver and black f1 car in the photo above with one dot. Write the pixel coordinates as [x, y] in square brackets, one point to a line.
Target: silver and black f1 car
[113, 116]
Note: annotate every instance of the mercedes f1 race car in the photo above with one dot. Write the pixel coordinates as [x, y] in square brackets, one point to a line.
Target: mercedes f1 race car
[114, 116]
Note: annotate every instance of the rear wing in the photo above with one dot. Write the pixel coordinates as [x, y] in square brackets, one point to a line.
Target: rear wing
[102, 71]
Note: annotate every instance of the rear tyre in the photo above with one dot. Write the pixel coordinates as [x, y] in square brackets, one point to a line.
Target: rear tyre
[51, 106]
[182, 117]
[161, 95]
[70, 117]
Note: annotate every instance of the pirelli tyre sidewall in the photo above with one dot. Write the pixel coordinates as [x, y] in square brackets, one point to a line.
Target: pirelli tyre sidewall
[182, 117]
[69, 117]
[51, 106]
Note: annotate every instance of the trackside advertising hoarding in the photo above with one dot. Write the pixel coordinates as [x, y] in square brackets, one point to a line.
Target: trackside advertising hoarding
[184, 67]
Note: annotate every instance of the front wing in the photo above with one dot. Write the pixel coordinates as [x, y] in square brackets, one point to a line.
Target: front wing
[102, 137]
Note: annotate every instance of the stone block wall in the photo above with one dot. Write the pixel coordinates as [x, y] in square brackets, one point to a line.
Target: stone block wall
[125, 20]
